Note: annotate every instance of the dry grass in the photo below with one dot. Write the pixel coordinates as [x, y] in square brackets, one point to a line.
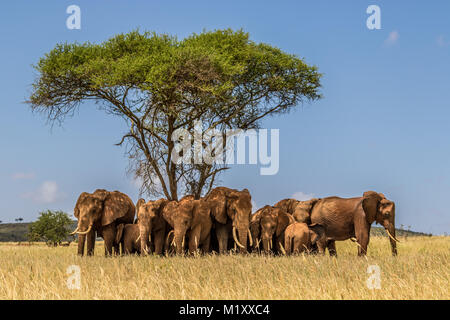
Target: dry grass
[421, 271]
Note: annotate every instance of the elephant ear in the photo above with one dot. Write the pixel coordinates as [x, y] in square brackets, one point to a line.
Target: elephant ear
[83, 196]
[219, 208]
[370, 202]
[291, 204]
[169, 211]
[119, 232]
[316, 232]
[160, 204]
[287, 204]
[283, 220]
[255, 223]
[116, 206]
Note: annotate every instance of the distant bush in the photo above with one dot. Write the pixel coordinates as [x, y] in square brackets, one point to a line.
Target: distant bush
[52, 227]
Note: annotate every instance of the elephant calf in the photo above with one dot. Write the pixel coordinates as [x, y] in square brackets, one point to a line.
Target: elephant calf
[128, 237]
[300, 237]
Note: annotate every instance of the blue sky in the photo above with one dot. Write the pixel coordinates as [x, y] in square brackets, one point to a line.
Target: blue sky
[382, 125]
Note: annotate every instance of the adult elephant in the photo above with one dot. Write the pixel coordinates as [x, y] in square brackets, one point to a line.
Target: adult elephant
[349, 218]
[300, 210]
[152, 226]
[267, 225]
[190, 219]
[231, 216]
[101, 212]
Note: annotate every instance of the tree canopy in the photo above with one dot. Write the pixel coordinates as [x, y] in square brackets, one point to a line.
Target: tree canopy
[159, 84]
[52, 227]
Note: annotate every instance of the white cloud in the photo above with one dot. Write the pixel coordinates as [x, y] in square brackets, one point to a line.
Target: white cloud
[23, 176]
[48, 192]
[441, 41]
[392, 38]
[254, 206]
[301, 196]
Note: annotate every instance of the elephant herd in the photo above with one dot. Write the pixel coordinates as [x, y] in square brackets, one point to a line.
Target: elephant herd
[223, 220]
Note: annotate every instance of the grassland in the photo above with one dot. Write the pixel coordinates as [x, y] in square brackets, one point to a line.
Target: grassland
[420, 271]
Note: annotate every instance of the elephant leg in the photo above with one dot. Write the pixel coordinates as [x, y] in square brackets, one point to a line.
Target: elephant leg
[159, 241]
[90, 243]
[321, 246]
[332, 248]
[206, 244]
[109, 236]
[128, 247]
[81, 241]
[222, 237]
[116, 249]
[363, 241]
[287, 245]
[362, 236]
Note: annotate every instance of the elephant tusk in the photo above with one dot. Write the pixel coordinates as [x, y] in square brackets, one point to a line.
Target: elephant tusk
[85, 232]
[168, 235]
[390, 235]
[282, 248]
[137, 240]
[74, 231]
[257, 243]
[236, 240]
[182, 243]
[270, 244]
[353, 239]
[250, 237]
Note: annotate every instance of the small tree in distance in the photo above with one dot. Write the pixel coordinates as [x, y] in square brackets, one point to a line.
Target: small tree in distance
[52, 227]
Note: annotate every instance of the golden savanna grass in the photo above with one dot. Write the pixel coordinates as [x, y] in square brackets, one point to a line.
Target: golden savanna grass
[420, 271]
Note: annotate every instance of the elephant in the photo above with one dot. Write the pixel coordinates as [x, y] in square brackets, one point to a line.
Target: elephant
[128, 236]
[152, 226]
[269, 224]
[231, 217]
[300, 237]
[300, 210]
[352, 217]
[101, 212]
[191, 219]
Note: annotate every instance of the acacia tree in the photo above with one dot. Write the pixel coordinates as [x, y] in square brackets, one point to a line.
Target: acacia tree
[159, 84]
[51, 226]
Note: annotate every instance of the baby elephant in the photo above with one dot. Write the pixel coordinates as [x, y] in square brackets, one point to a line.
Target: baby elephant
[300, 237]
[128, 237]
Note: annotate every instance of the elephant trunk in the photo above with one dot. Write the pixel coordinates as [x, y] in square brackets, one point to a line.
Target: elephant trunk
[144, 235]
[267, 244]
[179, 237]
[243, 233]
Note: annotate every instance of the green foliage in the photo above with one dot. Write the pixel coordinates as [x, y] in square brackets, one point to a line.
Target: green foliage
[159, 83]
[52, 227]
